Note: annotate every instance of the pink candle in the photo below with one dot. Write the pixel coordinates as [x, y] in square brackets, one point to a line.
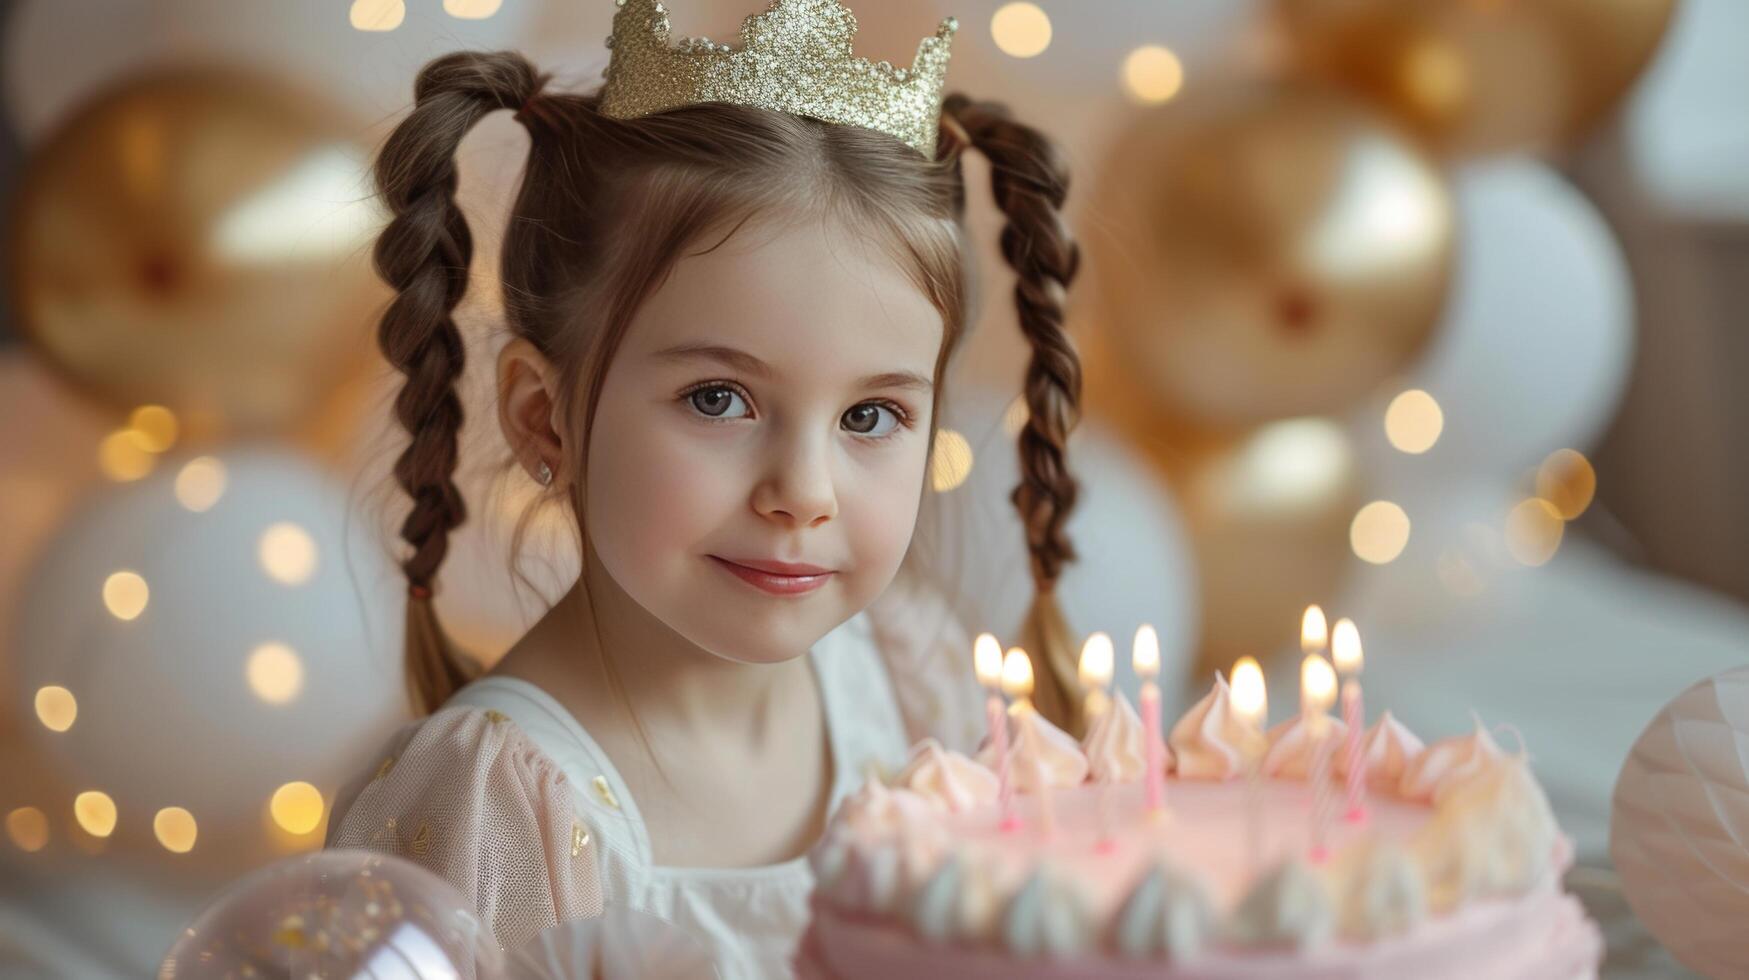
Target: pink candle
[1317, 692]
[987, 660]
[1145, 658]
[1345, 651]
[997, 716]
[1354, 716]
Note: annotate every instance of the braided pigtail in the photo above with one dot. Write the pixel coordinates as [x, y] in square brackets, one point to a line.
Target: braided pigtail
[1030, 181]
[424, 253]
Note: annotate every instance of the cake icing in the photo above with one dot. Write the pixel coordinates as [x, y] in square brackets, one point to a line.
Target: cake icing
[1387, 748]
[947, 778]
[1114, 746]
[1293, 745]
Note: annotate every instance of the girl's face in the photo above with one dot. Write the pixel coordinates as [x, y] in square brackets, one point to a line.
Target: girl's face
[768, 407]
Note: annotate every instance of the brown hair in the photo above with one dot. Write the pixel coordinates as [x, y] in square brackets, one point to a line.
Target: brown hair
[575, 269]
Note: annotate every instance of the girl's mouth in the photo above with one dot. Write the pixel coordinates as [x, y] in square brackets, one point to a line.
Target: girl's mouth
[777, 578]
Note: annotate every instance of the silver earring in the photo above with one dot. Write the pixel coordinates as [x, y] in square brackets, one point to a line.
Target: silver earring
[544, 474]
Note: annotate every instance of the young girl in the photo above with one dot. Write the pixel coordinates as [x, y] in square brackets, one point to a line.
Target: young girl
[732, 309]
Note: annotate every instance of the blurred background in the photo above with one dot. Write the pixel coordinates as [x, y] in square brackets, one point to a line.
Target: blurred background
[1427, 311]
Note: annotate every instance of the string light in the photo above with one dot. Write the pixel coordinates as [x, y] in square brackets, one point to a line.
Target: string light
[275, 672]
[29, 829]
[377, 15]
[296, 807]
[1153, 74]
[95, 812]
[288, 553]
[1021, 30]
[951, 462]
[175, 829]
[125, 595]
[200, 484]
[1413, 422]
[1380, 532]
[56, 708]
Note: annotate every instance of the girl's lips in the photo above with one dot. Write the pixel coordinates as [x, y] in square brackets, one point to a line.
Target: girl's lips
[772, 582]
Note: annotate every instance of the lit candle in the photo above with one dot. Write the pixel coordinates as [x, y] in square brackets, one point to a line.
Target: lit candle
[1314, 633]
[1017, 684]
[1145, 658]
[1317, 693]
[987, 660]
[1251, 704]
[1345, 650]
[1097, 661]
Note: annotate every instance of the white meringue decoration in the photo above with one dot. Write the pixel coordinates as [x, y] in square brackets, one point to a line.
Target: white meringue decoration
[1446, 763]
[1209, 740]
[879, 812]
[1383, 892]
[1115, 746]
[1047, 917]
[951, 781]
[1388, 748]
[1168, 914]
[1289, 906]
[1492, 834]
[1292, 747]
[869, 881]
[1034, 737]
[958, 903]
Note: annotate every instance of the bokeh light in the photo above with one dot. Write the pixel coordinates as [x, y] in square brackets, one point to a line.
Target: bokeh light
[1567, 480]
[951, 462]
[1380, 532]
[1152, 74]
[28, 827]
[56, 708]
[1533, 531]
[275, 672]
[95, 812]
[125, 595]
[153, 428]
[1021, 29]
[377, 15]
[200, 483]
[296, 807]
[175, 828]
[1413, 421]
[288, 553]
[471, 9]
[121, 457]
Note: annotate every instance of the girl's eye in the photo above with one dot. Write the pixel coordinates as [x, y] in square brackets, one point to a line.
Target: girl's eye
[865, 419]
[718, 402]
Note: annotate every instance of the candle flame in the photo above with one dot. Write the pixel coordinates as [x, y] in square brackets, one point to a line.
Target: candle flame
[1249, 695]
[1097, 660]
[1145, 655]
[1317, 683]
[987, 660]
[1017, 674]
[1314, 630]
[1345, 647]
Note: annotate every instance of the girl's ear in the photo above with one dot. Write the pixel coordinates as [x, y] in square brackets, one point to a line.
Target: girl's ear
[527, 411]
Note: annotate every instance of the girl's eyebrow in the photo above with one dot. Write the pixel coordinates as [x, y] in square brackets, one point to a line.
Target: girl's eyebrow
[743, 361]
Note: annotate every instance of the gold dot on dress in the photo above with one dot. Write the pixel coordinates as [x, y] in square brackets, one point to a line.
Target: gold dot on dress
[605, 792]
[579, 839]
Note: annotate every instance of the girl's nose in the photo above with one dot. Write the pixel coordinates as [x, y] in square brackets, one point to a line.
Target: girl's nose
[798, 488]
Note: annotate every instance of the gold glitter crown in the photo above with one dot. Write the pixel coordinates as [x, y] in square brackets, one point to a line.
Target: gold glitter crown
[795, 57]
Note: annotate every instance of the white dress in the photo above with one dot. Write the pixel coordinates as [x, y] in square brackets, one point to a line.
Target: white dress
[748, 918]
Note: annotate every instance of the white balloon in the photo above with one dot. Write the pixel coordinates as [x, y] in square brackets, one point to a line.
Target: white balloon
[1679, 822]
[1135, 564]
[60, 52]
[1686, 126]
[178, 706]
[1535, 348]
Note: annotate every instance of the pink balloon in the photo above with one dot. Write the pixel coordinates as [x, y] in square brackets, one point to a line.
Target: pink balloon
[344, 913]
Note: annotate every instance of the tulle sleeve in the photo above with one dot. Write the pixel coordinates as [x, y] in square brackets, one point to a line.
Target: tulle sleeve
[466, 794]
[928, 655]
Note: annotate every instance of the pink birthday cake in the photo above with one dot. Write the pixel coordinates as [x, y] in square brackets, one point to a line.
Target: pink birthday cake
[1450, 867]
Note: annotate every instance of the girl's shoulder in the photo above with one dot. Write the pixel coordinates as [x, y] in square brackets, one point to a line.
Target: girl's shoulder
[468, 795]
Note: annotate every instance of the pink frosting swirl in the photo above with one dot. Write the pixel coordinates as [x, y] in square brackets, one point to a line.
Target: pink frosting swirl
[1056, 752]
[1388, 748]
[946, 778]
[1292, 747]
[1116, 752]
[1209, 740]
[1447, 763]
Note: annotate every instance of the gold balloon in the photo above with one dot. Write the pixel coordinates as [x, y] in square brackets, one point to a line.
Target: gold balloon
[200, 240]
[1479, 76]
[1265, 252]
